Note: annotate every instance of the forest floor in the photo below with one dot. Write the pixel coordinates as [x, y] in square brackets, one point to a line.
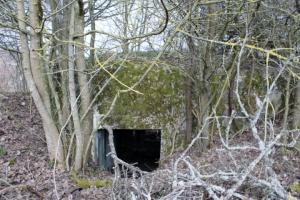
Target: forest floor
[25, 170]
[27, 173]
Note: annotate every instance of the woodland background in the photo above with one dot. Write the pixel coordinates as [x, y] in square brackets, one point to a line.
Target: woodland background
[214, 75]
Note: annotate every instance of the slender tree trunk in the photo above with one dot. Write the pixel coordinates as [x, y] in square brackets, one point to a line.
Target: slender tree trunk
[72, 90]
[38, 71]
[93, 35]
[205, 68]
[285, 123]
[64, 62]
[125, 44]
[189, 87]
[54, 93]
[86, 123]
[189, 94]
[49, 68]
[296, 112]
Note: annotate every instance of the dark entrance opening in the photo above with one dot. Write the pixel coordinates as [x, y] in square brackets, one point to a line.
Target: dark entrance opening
[140, 147]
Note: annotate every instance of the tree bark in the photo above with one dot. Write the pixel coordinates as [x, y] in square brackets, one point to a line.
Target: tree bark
[86, 122]
[37, 69]
[93, 35]
[64, 62]
[189, 95]
[296, 112]
[72, 91]
[189, 86]
[125, 44]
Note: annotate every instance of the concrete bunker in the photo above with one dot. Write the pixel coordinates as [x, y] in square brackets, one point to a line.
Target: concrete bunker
[140, 147]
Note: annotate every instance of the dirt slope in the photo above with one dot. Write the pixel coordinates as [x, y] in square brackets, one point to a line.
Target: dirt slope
[25, 170]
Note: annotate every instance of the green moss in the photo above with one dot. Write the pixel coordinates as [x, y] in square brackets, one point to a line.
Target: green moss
[160, 106]
[295, 187]
[86, 183]
[12, 161]
[3, 151]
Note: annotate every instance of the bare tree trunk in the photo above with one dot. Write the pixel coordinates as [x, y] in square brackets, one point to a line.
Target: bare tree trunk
[93, 35]
[188, 94]
[52, 57]
[38, 72]
[86, 123]
[189, 86]
[125, 44]
[285, 123]
[296, 112]
[54, 93]
[72, 90]
[64, 62]
[52, 136]
[188, 110]
[205, 68]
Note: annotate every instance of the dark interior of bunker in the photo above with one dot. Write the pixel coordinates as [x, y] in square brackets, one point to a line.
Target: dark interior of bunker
[140, 147]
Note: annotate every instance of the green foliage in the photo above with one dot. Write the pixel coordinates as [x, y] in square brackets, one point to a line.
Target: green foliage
[86, 183]
[3, 151]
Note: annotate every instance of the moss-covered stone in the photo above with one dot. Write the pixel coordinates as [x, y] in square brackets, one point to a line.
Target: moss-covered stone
[161, 104]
